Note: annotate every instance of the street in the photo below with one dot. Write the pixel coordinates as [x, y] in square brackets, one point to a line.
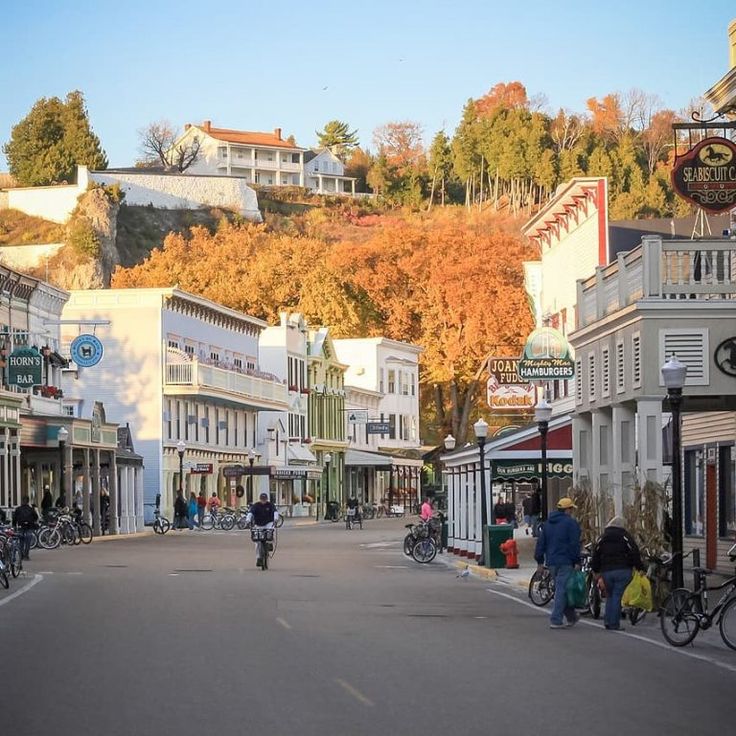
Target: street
[343, 635]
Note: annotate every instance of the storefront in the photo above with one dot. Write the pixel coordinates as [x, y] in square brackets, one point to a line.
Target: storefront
[291, 488]
[10, 467]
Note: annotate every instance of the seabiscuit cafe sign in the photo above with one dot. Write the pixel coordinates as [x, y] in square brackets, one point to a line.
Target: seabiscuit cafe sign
[706, 174]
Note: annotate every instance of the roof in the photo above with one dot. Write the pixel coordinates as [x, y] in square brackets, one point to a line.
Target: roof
[248, 137]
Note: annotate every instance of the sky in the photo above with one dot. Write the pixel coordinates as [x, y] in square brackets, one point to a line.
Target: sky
[257, 65]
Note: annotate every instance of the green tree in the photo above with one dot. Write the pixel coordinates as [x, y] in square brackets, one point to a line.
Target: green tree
[440, 165]
[337, 136]
[55, 136]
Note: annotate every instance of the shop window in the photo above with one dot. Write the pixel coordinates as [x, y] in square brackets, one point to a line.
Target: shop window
[694, 493]
[391, 381]
[727, 492]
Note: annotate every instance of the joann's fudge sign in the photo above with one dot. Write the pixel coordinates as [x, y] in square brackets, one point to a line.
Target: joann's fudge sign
[706, 174]
[25, 366]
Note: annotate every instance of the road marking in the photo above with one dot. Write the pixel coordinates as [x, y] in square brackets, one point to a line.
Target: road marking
[45, 572]
[355, 693]
[173, 574]
[392, 567]
[36, 579]
[377, 545]
[639, 637]
[285, 624]
[73, 573]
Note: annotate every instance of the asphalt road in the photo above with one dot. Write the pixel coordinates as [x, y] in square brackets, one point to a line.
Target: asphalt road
[343, 636]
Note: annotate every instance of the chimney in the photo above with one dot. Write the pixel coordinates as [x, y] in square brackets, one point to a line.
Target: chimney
[283, 318]
[732, 44]
[277, 132]
[207, 125]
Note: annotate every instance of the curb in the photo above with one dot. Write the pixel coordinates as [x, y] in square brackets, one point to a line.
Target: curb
[134, 535]
[485, 573]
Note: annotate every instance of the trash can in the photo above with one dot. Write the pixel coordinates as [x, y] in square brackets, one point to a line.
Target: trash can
[444, 534]
[497, 534]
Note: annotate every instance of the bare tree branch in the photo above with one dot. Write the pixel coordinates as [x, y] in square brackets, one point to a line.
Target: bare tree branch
[158, 145]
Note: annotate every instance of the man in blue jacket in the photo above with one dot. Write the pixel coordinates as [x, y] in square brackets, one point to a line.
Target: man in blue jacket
[559, 545]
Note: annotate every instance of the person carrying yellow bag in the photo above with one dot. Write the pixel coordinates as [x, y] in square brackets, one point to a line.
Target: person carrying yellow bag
[615, 556]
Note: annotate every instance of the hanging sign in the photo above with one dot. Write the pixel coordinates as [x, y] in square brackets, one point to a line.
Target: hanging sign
[358, 416]
[706, 174]
[25, 366]
[510, 397]
[378, 427]
[86, 351]
[506, 370]
[546, 357]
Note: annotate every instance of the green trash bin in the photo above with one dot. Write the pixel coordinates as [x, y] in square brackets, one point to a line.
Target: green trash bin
[496, 535]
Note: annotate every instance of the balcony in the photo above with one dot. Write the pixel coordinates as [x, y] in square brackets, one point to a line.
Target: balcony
[261, 164]
[255, 390]
[690, 271]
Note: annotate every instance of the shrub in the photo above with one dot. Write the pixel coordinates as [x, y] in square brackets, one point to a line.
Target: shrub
[82, 238]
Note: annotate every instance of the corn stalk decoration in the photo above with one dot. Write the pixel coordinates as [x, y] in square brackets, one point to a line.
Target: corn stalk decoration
[644, 516]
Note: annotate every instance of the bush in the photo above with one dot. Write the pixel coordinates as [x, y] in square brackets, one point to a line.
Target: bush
[82, 238]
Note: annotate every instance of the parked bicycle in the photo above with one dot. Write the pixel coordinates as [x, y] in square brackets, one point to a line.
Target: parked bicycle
[161, 524]
[421, 543]
[333, 512]
[659, 573]
[686, 612]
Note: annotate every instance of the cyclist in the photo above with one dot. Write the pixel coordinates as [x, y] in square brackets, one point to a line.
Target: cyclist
[262, 514]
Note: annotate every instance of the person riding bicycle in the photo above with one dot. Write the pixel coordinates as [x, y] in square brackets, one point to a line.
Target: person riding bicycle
[262, 515]
[354, 504]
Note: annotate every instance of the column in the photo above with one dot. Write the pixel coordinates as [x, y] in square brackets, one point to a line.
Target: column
[15, 471]
[301, 168]
[113, 484]
[319, 183]
[582, 430]
[39, 483]
[448, 480]
[352, 185]
[96, 488]
[87, 487]
[624, 451]
[602, 451]
[463, 509]
[130, 471]
[6, 497]
[69, 473]
[649, 433]
[139, 496]
[124, 522]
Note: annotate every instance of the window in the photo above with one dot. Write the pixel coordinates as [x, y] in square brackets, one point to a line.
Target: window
[69, 410]
[694, 494]
[392, 426]
[214, 353]
[177, 408]
[222, 151]
[380, 380]
[391, 381]
[591, 377]
[605, 372]
[727, 492]
[238, 362]
[404, 383]
[413, 384]
[189, 348]
[636, 359]
[620, 368]
[173, 342]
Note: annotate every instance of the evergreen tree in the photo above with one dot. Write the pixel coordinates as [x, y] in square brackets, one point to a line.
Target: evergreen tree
[440, 165]
[47, 145]
[337, 136]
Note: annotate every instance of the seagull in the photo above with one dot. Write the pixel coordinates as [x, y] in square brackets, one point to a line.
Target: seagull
[324, 88]
[464, 573]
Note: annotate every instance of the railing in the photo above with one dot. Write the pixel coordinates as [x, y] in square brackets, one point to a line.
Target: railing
[660, 269]
[195, 373]
[249, 163]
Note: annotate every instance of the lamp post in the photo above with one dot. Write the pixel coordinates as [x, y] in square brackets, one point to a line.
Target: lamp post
[542, 415]
[251, 460]
[673, 374]
[450, 443]
[181, 447]
[63, 436]
[480, 428]
[328, 460]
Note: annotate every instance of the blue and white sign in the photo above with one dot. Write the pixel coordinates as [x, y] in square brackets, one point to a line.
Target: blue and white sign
[86, 351]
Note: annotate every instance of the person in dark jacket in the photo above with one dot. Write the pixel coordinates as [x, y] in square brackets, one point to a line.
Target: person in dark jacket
[25, 520]
[499, 511]
[181, 512]
[47, 502]
[559, 546]
[614, 557]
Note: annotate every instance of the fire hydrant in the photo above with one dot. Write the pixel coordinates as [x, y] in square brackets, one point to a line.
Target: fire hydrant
[511, 552]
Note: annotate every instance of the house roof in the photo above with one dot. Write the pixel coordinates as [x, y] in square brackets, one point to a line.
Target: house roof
[247, 137]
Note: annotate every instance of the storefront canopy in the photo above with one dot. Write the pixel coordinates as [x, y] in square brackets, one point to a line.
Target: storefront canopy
[530, 469]
[363, 459]
[300, 454]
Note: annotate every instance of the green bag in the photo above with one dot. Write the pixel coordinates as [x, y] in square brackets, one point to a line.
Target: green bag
[576, 593]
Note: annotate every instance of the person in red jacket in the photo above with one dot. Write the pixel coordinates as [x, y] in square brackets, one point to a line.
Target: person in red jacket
[201, 507]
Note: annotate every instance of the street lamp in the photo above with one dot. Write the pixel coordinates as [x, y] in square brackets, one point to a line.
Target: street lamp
[673, 374]
[542, 415]
[328, 460]
[63, 436]
[251, 460]
[480, 428]
[181, 447]
[449, 442]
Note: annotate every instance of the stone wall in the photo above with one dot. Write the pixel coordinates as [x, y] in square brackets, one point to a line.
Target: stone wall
[25, 257]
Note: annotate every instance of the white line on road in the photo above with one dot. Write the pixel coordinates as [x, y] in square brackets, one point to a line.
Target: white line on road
[392, 567]
[377, 545]
[355, 693]
[660, 644]
[24, 589]
[285, 624]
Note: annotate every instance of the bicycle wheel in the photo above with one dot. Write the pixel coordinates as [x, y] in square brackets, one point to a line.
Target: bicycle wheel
[241, 522]
[594, 598]
[727, 624]
[77, 535]
[409, 543]
[16, 561]
[4, 577]
[85, 533]
[679, 621]
[380, 512]
[424, 551]
[208, 523]
[34, 539]
[279, 522]
[541, 588]
[228, 522]
[49, 538]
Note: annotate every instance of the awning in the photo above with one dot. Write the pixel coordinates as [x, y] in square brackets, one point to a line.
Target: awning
[530, 469]
[300, 454]
[363, 459]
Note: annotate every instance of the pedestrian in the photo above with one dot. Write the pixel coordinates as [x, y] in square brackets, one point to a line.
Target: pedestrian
[192, 509]
[47, 503]
[214, 504]
[510, 512]
[559, 546]
[426, 512]
[61, 501]
[615, 556]
[181, 516]
[201, 508]
[25, 520]
[499, 511]
[104, 509]
[526, 507]
[536, 510]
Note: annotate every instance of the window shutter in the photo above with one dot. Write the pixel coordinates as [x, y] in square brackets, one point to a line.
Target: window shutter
[591, 376]
[605, 372]
[620, 380]
[691, 348]
[636, 359]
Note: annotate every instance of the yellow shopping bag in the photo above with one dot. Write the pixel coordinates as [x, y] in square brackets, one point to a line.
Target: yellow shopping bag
[638, 593]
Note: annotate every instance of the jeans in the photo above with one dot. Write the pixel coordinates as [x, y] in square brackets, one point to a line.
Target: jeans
[616, 582]
[25, 542]
[561, 575]
[200, 516]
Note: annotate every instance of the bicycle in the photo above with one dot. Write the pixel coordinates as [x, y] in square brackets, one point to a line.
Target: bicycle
[424, 551]
[659, 570]
[265, 540]
[686, 612]
[353, 518]
[333, 512]
[161, 524]
[541, 587]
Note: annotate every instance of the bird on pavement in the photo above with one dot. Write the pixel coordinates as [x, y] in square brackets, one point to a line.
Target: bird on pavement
[464, 573]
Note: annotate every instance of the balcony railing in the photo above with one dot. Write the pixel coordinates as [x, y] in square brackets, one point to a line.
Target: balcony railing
[660, 269]
[259, 388]
[248, 163]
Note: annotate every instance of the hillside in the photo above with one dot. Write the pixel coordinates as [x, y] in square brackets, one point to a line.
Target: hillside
[17, 228]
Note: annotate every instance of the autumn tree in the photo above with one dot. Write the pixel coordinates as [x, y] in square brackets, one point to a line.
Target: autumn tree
[337, 136]
[46, 146]
[161, 144]
[400, 143]
[502, 96]
[358, 165]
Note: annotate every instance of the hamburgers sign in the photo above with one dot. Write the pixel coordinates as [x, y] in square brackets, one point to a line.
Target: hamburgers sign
[706, 174]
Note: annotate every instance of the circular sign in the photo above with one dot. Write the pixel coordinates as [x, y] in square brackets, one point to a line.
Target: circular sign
[86, 351]
[725, 356]
[239, 491]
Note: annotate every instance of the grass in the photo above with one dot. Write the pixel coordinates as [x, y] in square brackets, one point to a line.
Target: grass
[17, 228]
